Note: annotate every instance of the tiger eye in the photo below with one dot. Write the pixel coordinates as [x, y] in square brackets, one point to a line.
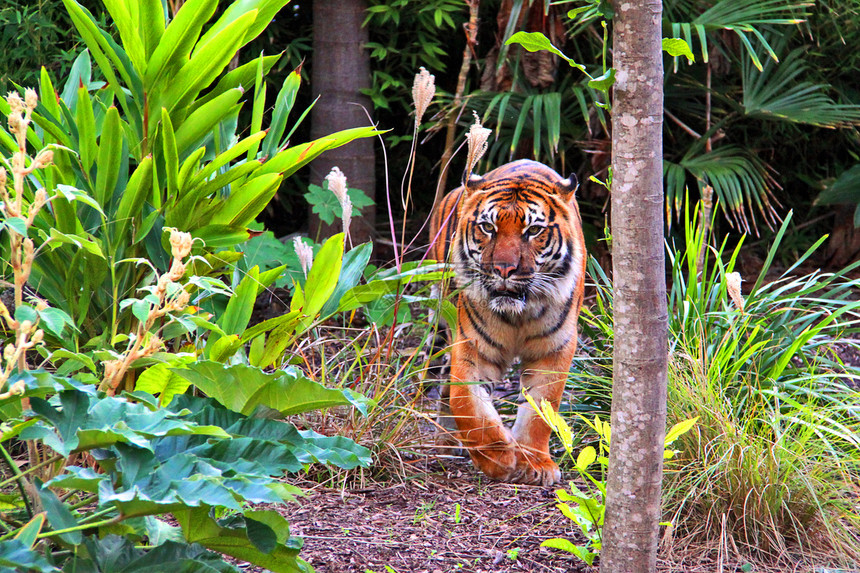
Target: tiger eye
[533, 231]
[487, 227]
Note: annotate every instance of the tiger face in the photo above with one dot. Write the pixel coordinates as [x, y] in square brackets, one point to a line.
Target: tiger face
[513, 248]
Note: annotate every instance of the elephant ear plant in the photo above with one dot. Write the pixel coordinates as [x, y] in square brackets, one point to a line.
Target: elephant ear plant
[158, 144]
[104, 468]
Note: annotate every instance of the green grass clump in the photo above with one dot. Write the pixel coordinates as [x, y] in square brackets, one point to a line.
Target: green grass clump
[770, 470]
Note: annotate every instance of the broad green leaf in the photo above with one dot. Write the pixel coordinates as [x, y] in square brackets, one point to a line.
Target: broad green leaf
[603, 82]
[290, 160]
[177, 41]
[70, 194]
[170, 153]
[17, 224]
[159, 380]
[129, 31]
[206, 118]
[28, 534]
[86, 124]
[231, 154]
[283, 104]
[536, 41]
[246, 201]
[243, 388]
[323, 276]
[109, 157]
[266, 11]
[59, 515]
[235, 318]
[678, 47]
[131, 202]
[585, 458]
[207, 63]
[199, 527]
[354, 263]
[680, 429]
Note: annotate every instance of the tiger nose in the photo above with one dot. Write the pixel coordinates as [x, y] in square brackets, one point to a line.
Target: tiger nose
[504, 269]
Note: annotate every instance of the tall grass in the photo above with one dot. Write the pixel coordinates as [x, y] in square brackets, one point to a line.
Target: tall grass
[771, 470]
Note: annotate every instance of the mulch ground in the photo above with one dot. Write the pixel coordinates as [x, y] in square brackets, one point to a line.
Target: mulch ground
[438, 522]
[451, 520]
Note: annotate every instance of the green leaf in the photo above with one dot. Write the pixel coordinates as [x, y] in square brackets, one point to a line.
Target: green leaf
[59, 515]
[17, 224]
[283, 104]
[246, 201]
[680, 429]
[585, 458]
[678, 47]
[86, 124]
[231, 538]
[235, 318]
[354, 263]
[603, 82]
[243, 388]
[323, 277]
[29, 533]
[16, 556]
[845, 189]
[131, 202]
[177, 41]
[536, 41]
[160, 380]
[170, 153]
[207, 62]
[70, 193]
[109, 157]
[204, 119]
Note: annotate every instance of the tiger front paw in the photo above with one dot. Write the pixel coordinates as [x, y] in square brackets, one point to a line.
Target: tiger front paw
[512, 464]
[536, 470]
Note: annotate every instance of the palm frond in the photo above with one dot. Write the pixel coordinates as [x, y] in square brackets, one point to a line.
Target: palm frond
[743, 17]
[779, 92]
[541, 118]
[739, 179]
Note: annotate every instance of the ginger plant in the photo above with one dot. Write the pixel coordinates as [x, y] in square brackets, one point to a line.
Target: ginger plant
[18, 214]
[166, 296]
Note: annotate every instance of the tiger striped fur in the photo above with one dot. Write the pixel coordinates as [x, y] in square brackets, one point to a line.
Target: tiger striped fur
[514, 237]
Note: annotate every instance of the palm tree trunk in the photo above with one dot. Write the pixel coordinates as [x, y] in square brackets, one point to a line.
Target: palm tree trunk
[641, 321]
[341, 69]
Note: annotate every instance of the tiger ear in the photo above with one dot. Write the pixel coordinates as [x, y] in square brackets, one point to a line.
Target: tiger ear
[568, 187]
[473, 183]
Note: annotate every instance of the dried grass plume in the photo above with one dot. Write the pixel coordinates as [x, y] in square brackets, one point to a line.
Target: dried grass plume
[423, 90]
[477, 138]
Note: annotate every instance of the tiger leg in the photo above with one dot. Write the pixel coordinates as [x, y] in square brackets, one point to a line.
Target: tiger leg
[543, 379]
[481, 430]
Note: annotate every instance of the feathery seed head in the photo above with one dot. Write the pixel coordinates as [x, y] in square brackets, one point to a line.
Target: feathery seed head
[337, 184]
[423, 90]
[477, 138]
[733, 286]
[305, 254]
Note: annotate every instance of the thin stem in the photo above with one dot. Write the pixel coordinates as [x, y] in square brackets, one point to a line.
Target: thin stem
[34, 468]
[19, 478]
[110, 521]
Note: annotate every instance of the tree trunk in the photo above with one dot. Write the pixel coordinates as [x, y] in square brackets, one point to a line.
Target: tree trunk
[641, 321]
[341, 69]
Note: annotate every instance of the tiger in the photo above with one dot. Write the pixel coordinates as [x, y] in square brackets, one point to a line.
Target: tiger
[516, 246]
